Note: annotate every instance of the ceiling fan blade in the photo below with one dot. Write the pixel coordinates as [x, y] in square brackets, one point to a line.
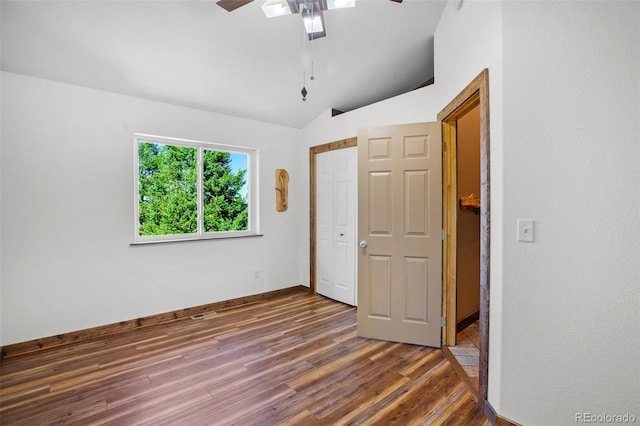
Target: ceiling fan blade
[397, 1]
[231, 5]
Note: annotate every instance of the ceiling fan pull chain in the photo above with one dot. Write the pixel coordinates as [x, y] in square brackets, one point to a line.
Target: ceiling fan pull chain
[312, 77]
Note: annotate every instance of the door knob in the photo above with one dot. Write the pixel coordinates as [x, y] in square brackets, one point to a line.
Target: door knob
[363, 244]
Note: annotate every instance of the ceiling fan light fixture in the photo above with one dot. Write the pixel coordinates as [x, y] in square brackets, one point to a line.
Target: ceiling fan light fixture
[273, 8]
[313, 25]
[313, 22]
[340, 4]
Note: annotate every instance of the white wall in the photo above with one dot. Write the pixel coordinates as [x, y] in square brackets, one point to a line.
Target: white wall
[571, 300]
[67, 213]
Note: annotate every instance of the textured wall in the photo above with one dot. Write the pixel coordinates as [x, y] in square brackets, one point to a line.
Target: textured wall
[571, 300]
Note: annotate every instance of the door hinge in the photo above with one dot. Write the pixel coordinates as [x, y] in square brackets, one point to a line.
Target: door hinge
[444, 234]
[443, 321]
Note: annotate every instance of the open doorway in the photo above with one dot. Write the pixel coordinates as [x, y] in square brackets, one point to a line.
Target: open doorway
[466, 213]
[466, 348]
[468, 223]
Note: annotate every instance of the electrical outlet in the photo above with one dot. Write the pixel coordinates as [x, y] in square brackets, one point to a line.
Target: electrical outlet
[526, 230]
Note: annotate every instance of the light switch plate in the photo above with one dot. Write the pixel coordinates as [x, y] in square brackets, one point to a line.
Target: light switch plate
[526, 230]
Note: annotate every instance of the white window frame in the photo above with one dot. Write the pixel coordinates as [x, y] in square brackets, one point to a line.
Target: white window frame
[252, 190]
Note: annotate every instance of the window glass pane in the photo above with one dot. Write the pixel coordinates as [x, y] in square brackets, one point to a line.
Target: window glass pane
[167, 189]
[225, 197]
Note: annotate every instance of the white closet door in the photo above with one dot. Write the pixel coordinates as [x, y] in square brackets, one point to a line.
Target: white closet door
[336, 180]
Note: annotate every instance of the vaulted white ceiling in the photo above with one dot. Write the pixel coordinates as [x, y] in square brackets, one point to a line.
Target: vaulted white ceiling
[196, 54]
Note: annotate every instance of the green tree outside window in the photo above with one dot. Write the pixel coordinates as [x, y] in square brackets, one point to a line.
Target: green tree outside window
[168, 196]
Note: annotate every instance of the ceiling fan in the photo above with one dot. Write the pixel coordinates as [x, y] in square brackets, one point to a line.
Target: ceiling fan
[311, 11]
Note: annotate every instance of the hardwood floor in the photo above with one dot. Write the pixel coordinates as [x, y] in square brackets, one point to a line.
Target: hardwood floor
[293, 360]
[465, 356]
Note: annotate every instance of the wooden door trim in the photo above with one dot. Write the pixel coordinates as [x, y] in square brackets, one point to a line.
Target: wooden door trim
[313, 151]
[475, 94]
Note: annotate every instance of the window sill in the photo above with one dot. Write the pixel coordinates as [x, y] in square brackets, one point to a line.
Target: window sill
[185, 239]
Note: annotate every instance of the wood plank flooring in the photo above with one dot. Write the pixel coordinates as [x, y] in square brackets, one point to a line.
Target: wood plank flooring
[465, 356]
[292, 360]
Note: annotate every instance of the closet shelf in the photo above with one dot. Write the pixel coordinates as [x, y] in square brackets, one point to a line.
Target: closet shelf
[470, 202]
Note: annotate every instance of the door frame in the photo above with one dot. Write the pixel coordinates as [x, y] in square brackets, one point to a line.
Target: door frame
[313, 151]
[475, 94]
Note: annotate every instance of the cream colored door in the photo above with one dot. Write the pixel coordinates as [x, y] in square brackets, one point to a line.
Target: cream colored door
[400, 227]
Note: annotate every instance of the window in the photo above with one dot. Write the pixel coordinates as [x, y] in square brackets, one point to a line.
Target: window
[187, 190]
